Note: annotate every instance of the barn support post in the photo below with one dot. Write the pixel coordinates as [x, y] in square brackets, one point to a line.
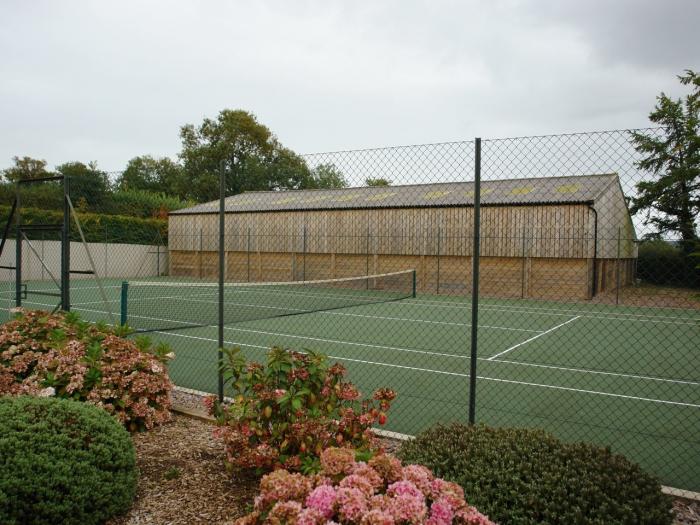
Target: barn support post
[617, 268]
[303, 254]
[437, 286]
[367, 251]
[200, 254]
[247, 250]
[524, 266]
[475, 281]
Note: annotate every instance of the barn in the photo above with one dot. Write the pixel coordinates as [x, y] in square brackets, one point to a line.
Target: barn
[556, 237]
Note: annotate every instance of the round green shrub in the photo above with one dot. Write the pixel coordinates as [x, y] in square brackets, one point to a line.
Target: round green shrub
[62, 461]
[522, 476]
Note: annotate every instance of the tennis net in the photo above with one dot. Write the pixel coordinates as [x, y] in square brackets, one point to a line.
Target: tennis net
[148, 306]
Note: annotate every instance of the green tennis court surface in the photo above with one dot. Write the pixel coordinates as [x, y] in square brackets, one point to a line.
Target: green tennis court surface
[620, 376]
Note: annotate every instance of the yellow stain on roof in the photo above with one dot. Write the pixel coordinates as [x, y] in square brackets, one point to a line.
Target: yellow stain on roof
[484, 191]
[380, 197]
[346, 198]
[316, 199]
[285, 201]
[436, 194]
[243, 202]
[522, 190]
[568, 188]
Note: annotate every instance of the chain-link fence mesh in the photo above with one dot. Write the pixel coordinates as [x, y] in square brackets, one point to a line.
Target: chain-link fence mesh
[588, 318]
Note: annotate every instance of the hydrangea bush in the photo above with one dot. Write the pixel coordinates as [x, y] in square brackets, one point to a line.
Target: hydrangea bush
[378, 492]
[287, 412]
[60, 355]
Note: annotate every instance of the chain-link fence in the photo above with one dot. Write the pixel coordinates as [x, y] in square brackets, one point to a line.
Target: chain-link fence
[588, 318]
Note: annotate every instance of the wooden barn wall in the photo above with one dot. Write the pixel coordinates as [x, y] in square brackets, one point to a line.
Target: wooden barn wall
[527, 251]
[515, 277]
[511, 231]
[616, 235]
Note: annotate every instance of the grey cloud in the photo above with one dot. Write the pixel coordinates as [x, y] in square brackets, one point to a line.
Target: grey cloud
[108, 81]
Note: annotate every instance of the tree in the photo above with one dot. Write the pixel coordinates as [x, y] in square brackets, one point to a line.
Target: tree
[262, 163]
[672, 199]
[26, 168]
[88, 185]
[327, 176]
[156, 175]
[377, 182]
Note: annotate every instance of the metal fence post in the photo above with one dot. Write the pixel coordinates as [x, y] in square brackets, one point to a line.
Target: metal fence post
[222, 224]
[123, 317]
[475, 281]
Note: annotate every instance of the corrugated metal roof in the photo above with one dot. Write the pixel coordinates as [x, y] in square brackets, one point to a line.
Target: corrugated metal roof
[549, 190]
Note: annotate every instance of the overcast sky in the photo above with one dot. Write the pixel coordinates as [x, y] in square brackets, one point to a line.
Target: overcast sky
[106, 81]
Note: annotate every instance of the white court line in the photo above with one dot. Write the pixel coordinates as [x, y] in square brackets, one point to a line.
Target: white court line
[646, 318]
[548, 311]
[456, 356]
[459, 305]
[459, 374]
[579, 370]
[533, 338]
[302, 310]
[430, 322]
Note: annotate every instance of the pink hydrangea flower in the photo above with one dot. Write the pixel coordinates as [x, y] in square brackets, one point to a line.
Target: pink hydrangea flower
[310, 516]
[335, 461]
[420, 476]
[380, 502]
[362, 469]
[359, 483]
[285, 512]
[440, 513]
[352, 504]
[471, 516]
[377, 517]
[387, 466]
[322, 499]
[408, 508]
[439, 488]
[403, 487]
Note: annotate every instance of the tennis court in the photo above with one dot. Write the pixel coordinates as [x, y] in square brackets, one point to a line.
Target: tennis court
[619, 376]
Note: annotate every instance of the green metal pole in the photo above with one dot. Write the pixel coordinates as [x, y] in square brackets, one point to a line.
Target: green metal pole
[124, 302]
[222, 224]
[475, 281]
[65, 247]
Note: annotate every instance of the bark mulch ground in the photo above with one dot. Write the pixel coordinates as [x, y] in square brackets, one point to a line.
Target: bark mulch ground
[183, 481]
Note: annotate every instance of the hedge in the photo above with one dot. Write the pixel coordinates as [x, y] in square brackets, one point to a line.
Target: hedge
[664, 263]
[133, 203]
[62, 462]
[96, 227]
[523, 476]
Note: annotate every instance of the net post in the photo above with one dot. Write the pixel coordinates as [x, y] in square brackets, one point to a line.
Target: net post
[124, 302]
[65, 246]
[475, 281]
[18, 248]
[413, 290]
